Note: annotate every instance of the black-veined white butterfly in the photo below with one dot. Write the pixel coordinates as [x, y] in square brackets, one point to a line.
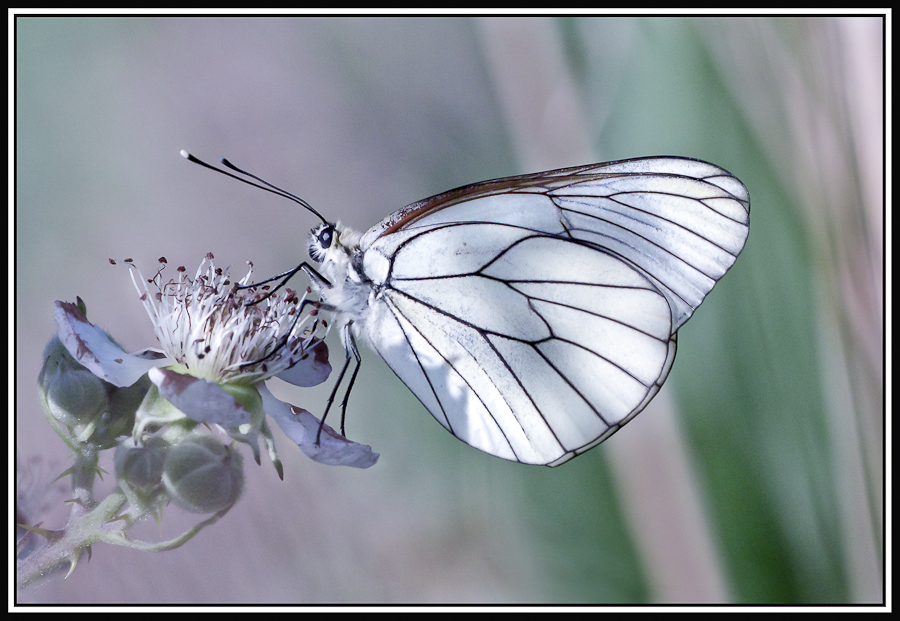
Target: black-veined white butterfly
[535, 315]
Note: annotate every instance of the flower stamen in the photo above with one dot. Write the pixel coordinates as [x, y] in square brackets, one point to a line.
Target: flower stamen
[223, 333]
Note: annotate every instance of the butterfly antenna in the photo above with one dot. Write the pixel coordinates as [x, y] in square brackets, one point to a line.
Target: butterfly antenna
[262, 185]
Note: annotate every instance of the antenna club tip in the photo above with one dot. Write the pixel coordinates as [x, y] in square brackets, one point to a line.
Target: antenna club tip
[185, 154]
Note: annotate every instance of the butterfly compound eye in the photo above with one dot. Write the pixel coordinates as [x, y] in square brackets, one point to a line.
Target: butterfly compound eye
[325, 237]
[320, 240]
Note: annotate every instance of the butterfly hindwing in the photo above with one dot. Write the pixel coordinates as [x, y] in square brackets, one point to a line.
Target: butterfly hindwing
[525, 345]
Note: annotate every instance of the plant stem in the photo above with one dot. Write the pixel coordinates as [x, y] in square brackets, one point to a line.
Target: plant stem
[67, 545]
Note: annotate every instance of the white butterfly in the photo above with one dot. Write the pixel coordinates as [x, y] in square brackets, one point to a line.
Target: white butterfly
[535, 315]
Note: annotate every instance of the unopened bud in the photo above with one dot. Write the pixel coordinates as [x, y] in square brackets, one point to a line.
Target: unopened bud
[141, 467]
[75, 396]
[202, 475]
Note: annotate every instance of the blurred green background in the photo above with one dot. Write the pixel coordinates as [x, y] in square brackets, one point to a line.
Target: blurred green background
[757, 476]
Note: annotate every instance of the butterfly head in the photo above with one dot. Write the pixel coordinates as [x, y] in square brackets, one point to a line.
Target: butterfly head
[336, 249]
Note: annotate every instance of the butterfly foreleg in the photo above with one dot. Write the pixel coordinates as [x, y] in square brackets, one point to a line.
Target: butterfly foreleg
[318, 280]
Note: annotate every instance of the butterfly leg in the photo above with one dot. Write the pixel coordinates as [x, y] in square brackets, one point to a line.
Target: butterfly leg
[285, 338]
[317, 279]
[351, 351]
[355, 351]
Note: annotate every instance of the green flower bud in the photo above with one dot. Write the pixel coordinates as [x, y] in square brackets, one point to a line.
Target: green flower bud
[202, 475]
[141, 467]
[74, 396]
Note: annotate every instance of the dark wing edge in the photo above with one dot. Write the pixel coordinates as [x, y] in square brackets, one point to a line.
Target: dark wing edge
[680, 221]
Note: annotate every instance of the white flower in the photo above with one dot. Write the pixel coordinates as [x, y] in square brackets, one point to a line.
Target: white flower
[221, 334]
[218, 346]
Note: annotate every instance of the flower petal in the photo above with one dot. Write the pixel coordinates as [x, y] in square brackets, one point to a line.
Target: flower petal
[311, 369]
[199, 399]
[302, 427]
[91, 347]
